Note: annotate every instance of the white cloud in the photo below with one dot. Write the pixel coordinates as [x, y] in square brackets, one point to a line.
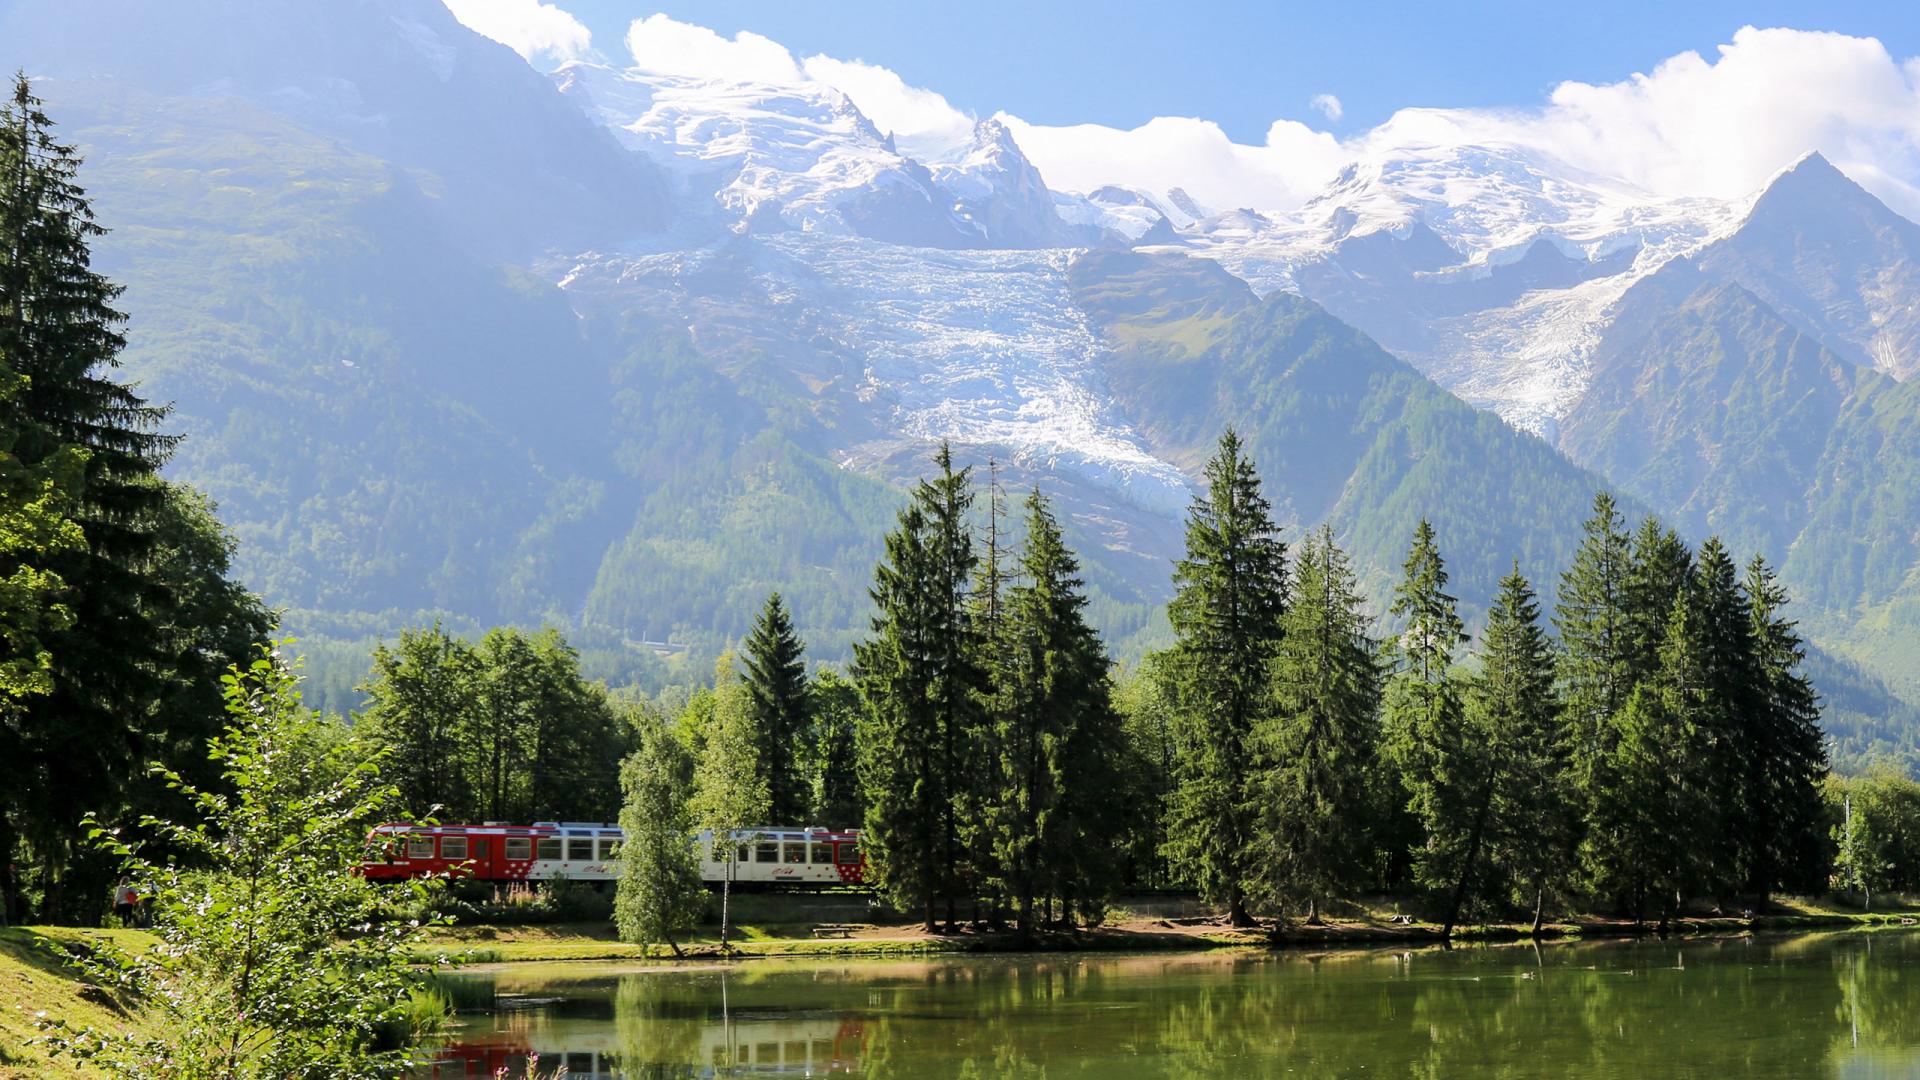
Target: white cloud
[1722, 128]
[664, 46]
[1692, 126]
[528, 27]
[1176, 151]
[924, 122]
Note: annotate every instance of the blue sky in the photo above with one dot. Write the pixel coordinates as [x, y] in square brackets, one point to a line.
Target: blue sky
[1243, 64]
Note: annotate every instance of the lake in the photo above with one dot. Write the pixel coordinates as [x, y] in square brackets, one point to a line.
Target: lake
[1830, 1005]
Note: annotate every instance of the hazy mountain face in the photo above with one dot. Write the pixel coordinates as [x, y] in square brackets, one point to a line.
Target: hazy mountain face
[625, 351]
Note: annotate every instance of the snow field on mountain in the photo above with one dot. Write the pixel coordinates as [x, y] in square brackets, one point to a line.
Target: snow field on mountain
[985, 348]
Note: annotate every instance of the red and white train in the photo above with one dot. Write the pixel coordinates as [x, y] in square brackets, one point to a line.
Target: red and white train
[587, 851]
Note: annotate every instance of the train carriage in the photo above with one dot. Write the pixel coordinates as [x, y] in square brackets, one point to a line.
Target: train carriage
[587, 851]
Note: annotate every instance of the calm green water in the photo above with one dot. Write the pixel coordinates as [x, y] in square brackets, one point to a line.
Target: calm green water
[1840, 1005]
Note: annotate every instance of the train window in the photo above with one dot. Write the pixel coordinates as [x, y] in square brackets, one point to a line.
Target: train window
[550, 848]
[822, 854]
[609, 848]
[579, 1064]
[453, 847]
[419, 846]
[766, 852]
[795, 853]
[740, 855]
[579, 849]
[519, 847]
[850, 852]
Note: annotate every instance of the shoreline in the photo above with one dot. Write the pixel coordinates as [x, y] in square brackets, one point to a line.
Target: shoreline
[491, 947]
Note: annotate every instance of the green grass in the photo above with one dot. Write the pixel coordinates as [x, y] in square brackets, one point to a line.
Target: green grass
[34, 983]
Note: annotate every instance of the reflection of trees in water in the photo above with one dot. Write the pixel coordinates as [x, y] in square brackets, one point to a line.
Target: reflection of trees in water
[657, 1020]
[1726, 1008]
[1876, 1009]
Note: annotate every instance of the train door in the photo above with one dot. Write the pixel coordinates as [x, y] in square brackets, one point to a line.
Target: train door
[483, 853]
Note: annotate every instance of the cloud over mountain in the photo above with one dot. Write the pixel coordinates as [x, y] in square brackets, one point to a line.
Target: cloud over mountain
[1694, 125]
[528, 27]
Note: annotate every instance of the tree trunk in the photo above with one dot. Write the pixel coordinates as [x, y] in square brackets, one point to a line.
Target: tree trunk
[9, 884]
[1237, 908]
[726, 902]
[675, 946]
[1466, 864]
[1313, 911]
[930, 927]
[1539, 909]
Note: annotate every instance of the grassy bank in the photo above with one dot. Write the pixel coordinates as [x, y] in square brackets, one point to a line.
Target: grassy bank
[34, 982]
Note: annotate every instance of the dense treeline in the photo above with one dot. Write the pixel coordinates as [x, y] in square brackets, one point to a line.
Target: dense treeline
[503, 729]
[1650, 743]
[1665, 747]
[119, 613]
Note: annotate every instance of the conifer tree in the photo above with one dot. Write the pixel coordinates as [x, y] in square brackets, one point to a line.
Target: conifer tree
[660, 893]
[1316, 749]
[1721, 704]
[1440, 766]
[1515, 705]
[776, 682]
[920, 674]
[1596, 670]
[1789, 756]
[1634, 850]
[1230, 593]
[35, 526]
[984, 793]
[1659, 568]
[1653, 830]
[79, 742]
[1060, 735]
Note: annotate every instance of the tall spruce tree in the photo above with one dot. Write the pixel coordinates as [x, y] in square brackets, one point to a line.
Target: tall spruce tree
[1596, 670]
[1659, 568]
[35, 526]
[1635, 847]
[1438, 764]
[1230, 594]
[79, 743]
[1790, 755]
[776, 681]
[1531, 828]
[1315, 750]
[1059, 737]
[1721, 704]
[985, 792]
[921, 676]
